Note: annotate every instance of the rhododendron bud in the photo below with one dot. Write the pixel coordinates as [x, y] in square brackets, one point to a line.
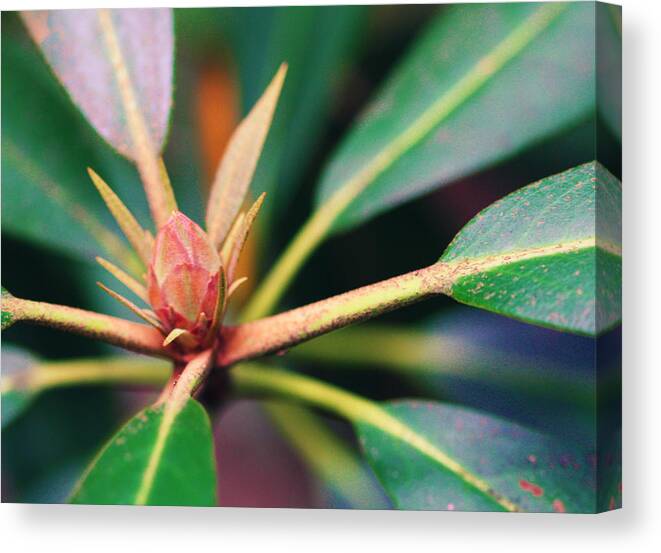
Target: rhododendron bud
[184, 277]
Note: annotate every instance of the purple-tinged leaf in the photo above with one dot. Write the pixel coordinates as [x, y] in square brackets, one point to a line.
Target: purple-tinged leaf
[72, 42]
[117, 67]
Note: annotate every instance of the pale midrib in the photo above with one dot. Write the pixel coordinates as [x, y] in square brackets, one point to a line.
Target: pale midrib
[360, 410]
[471, 82]
[459, 268]
[157, 186]
[173, 405]
[318, 225]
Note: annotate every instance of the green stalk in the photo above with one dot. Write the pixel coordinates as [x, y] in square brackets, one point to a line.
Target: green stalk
[317, 227]
[111, 370]
[253, 379]
[279, 332]
[328, 456]
[420, 355]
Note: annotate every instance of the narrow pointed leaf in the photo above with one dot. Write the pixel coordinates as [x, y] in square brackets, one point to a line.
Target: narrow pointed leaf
[235, 285]
[184, 475]
[242, 236]
[238, 164]
[484, 82]
[530, 469]
[130, 305]
[134, 233]
[231, 239]
[71, 41]
[126, 279]
[260, 39]
[178, 334]
[549, 253]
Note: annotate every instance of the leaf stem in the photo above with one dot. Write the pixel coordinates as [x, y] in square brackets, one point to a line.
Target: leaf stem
[329, 457]
[109, 370]
[150, 166]
[420, 355]
[257, 379]
[321, 221]
[279, 332]
[113, 330]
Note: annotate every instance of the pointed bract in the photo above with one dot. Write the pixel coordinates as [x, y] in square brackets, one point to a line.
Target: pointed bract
[238, 165]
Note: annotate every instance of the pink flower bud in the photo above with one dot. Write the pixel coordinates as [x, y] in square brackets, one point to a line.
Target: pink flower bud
[183, 276]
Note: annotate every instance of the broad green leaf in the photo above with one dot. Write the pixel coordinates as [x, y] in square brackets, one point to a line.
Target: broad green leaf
[73, 43]
[46, 146]
[609, 65]
[14, 402]
[549, 253]
[315, 41]
[147, 463]
[527, 469]
[484, 82]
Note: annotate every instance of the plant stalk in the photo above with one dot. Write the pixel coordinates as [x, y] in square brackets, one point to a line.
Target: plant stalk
[133, 371]
[317, 227]
[277, 333]
[113, 330]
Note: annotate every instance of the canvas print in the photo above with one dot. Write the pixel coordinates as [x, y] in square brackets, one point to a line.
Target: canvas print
[362, 257]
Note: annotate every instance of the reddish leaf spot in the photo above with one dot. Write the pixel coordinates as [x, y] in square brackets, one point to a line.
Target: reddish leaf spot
[450, 506]
[611, 503]
[532, 458]
[534, 489]
[559, 506]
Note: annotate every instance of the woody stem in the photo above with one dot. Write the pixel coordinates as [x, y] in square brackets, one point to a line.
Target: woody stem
[279, 332]
[113, 330]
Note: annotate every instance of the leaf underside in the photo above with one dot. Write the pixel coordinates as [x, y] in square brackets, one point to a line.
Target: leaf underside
[530, 469]
[71, 42]
[549, 253]
[184, 475]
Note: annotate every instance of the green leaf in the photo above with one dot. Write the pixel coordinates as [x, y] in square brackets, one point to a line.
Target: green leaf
[14, 403]
[46, 146]
[150, 463]
[484, 82]
[549, 253]
[73, 43]
[609, 65]
[261, 39]
[530, 470]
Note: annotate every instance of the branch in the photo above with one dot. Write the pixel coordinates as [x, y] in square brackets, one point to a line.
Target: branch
[279, 332]
[113, 330]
